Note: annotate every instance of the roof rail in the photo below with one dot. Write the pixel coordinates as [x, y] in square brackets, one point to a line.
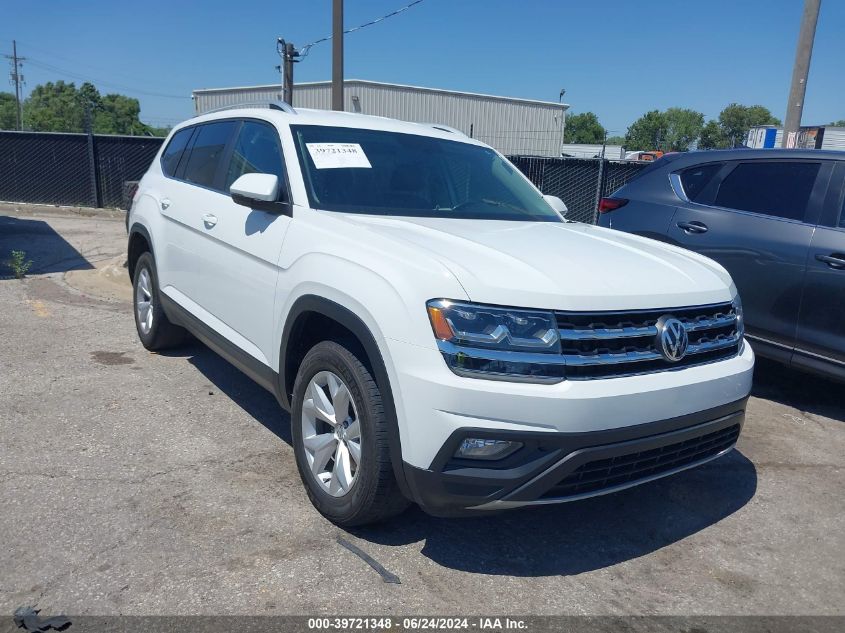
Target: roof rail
[444, 128]
[273, 105]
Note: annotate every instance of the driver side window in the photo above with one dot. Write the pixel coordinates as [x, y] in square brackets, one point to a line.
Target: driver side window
[257, 150]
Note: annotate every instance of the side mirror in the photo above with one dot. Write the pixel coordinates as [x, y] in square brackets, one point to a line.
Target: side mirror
[557, 204]
[259, 191]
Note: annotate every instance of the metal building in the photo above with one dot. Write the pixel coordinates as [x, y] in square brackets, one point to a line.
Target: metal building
[809, 137]
[511, 125]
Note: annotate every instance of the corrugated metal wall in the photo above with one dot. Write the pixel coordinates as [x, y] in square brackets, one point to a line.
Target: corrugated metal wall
[834, 138]
[512, 126]
[583, 150]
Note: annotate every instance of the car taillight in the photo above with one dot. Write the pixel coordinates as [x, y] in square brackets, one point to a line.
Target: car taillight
[131, 190]
[611, 204]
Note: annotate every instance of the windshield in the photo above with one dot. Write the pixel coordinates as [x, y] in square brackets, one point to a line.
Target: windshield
[388, 173]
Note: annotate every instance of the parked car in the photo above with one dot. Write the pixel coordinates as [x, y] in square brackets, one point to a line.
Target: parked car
[438, 331]
[775, 220]
[644, 156]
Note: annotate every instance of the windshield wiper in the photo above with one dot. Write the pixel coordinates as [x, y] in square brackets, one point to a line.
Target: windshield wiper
[492, 203]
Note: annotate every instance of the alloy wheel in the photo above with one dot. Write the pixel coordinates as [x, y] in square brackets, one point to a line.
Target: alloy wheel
[144, 301]
[331, 433]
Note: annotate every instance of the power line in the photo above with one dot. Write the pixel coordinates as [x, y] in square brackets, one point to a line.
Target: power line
[74, 75]
[63, 57]
[306, 49]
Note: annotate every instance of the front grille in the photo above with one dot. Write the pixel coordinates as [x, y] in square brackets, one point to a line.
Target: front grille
[603, 474]
[611, 344]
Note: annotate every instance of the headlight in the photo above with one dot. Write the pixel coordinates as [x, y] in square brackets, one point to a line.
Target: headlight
[497, 343]
[740, 320]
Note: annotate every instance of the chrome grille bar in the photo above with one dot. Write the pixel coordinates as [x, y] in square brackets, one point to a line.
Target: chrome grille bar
[603, 334]
[707, 324]
[610, 344]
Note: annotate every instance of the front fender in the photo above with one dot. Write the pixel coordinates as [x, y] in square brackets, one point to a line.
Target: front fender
[379, 361]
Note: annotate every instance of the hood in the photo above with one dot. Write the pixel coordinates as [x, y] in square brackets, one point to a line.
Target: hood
[561, 266]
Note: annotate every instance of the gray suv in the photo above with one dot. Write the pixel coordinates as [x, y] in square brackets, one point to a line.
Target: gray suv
[775, 220]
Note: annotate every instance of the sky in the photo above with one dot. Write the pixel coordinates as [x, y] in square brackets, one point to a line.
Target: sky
[616, 58]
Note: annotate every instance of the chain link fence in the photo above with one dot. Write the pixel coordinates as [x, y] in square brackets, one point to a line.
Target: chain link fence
[72, 169]
[121, 159]
[45, 168]
[579, 182]
[92, 170]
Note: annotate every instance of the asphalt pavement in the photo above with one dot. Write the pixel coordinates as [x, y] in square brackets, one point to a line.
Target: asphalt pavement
[140, 483]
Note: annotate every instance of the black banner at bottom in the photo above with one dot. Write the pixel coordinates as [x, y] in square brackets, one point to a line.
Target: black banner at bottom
[399, 623]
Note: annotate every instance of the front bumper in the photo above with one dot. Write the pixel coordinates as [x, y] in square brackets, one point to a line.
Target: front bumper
[432, 403]
[558, 467]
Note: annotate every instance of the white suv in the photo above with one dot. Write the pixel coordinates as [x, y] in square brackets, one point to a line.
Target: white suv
[437, 329]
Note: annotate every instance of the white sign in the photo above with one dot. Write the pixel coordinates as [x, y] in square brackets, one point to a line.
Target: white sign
[335, 155]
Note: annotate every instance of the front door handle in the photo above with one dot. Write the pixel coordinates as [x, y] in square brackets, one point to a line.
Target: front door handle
[164, 204]
[692, 228]
[834, 260]
[209, 220]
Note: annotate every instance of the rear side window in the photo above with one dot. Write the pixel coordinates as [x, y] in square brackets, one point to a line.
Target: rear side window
[174, 150]
[207, 151]
[781, 189]
[256, 151]
[695, 179]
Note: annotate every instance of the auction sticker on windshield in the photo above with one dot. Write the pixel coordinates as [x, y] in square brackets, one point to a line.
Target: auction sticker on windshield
[335, 155]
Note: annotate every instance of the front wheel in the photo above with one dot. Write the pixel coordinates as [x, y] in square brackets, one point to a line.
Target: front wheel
[340, 433]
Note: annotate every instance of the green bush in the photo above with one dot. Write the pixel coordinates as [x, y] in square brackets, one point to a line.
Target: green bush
[19, 264]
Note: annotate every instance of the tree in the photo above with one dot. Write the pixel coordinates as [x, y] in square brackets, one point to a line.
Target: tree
[673, 130]
[616, 140]
[839, 123]
[683, 127]
[117, 114]
[712, 137]
[159, 131]
[61, 107]
[735, 121]
[583, 128]
[8, 111]
[54, 107]
[647, 132]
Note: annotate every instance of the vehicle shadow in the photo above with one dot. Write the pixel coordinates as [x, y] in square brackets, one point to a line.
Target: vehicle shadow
[572, 538]
[799, 390]
[242, 390]
[565, 539]
[49, 251]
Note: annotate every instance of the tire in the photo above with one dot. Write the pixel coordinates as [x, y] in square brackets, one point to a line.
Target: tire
[372, 494]
[154, 329]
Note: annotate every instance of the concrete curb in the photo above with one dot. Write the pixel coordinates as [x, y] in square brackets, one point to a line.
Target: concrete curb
[25, 209]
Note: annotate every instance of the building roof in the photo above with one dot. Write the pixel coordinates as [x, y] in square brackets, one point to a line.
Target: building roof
[306, 116]
[348, 82]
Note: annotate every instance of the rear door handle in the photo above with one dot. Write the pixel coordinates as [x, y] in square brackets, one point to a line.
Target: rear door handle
[209, 220]
[693, 227]
[164, 204]
[834, 260]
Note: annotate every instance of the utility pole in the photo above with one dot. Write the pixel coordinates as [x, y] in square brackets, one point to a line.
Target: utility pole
[16, 78]
[798, 89]
[289, 57]
[280, 46]
[337, 55]
[562, 122]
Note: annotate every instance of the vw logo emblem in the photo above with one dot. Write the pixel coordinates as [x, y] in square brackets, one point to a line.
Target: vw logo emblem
[672, 338]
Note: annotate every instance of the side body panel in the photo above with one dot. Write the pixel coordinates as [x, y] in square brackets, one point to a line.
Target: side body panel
[765, 257]
[821, 326]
